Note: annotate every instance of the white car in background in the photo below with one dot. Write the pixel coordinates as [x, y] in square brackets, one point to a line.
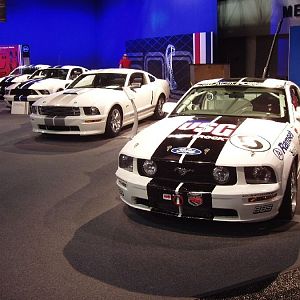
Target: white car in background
[97, 103]
[19, 74]
[42, 82]
[227, 151]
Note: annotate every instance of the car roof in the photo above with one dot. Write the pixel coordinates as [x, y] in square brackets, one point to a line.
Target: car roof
[115, 70]
[246, 81]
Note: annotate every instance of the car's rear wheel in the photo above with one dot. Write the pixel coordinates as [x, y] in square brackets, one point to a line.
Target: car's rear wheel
[158, 112]
[289, 201]
[114, 122]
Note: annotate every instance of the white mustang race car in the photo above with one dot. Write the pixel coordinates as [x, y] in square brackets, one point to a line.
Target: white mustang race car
[19, 74]
[97, 102]
[42, 82]
[228, 151]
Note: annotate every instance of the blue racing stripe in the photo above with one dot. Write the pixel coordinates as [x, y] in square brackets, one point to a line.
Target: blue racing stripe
[27, 84]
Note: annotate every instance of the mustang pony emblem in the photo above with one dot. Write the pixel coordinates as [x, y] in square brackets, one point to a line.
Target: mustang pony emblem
[183, 171]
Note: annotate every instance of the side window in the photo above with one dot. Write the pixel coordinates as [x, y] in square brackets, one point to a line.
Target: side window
[75, 73]
[295, 96]
[152, 79]
[137, 78]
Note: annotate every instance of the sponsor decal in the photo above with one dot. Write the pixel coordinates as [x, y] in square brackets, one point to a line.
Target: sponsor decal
[250, 143]
[215, 129]
[259, 197]
[195, 199]
[167, 197]
[283, 146]
[259, 209]
[183, 171]
[206, 150]
[176, 199]
[201, 136]
[186, 151]
[278, 153]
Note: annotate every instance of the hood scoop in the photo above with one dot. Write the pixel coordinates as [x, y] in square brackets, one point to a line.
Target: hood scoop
[70, 93]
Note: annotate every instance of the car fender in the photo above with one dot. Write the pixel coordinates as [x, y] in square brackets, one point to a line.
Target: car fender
[286, 152]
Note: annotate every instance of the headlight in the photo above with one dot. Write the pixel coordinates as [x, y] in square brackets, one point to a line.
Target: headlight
[149, 168]
[126, 162]
[221, 175]
[44, 92]
[256, 175]
[91, 111]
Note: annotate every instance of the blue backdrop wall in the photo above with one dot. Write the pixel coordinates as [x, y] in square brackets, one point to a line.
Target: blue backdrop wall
[57, 31]
[294, 61]
[93, 33]
[122, 20]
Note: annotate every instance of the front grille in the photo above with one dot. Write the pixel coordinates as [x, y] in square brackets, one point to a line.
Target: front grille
[59, 111]
[23, 92]
[189, 172]
[59, 128]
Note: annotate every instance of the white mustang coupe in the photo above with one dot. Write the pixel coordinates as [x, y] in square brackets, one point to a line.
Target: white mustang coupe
[42, 82]
[97, 102]
[228, 151]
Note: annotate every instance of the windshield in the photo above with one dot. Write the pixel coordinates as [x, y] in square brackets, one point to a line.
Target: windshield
[256, 102]
[50, 73]
[100, 80]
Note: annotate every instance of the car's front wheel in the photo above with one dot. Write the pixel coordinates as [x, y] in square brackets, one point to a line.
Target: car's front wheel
[289, 201]
[114, 122]
[158, 112]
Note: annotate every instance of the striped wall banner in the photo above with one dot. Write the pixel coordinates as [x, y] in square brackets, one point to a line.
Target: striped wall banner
[203, 48]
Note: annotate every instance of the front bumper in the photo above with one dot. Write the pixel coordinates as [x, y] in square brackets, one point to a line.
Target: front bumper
[69, 125]
[240, 203]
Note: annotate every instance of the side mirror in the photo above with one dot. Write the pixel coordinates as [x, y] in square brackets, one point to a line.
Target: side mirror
[168, 107]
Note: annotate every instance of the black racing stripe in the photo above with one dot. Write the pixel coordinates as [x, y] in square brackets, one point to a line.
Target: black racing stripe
[49, 121]
[55, 121]
[175, 184]
[59, 121]
[157, 191]
[210, 142]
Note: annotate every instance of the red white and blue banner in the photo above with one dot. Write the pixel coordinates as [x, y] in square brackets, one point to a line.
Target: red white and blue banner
[203, 48]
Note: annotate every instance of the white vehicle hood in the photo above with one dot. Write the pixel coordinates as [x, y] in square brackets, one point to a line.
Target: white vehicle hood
[82, 97]
[206, 139]
[44, 84]
[21, 78]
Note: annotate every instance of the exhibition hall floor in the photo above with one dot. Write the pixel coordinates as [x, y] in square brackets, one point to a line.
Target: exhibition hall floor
[64, 233]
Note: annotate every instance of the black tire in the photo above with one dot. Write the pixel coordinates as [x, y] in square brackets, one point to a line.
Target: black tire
[289, 202]
[158, 113]
[114, 122]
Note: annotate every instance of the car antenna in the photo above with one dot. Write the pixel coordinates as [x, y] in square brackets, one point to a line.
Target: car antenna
[266, 68]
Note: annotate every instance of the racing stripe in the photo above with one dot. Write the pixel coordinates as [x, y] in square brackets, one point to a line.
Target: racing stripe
[200, 139]
[55, 121]
[29, 83]
[9, 79]
[20, 98]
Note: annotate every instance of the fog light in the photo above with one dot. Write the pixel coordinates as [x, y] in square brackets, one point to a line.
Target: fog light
[149, 167]
[221, 175]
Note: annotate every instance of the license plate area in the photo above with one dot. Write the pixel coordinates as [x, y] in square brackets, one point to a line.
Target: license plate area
[184, 203]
